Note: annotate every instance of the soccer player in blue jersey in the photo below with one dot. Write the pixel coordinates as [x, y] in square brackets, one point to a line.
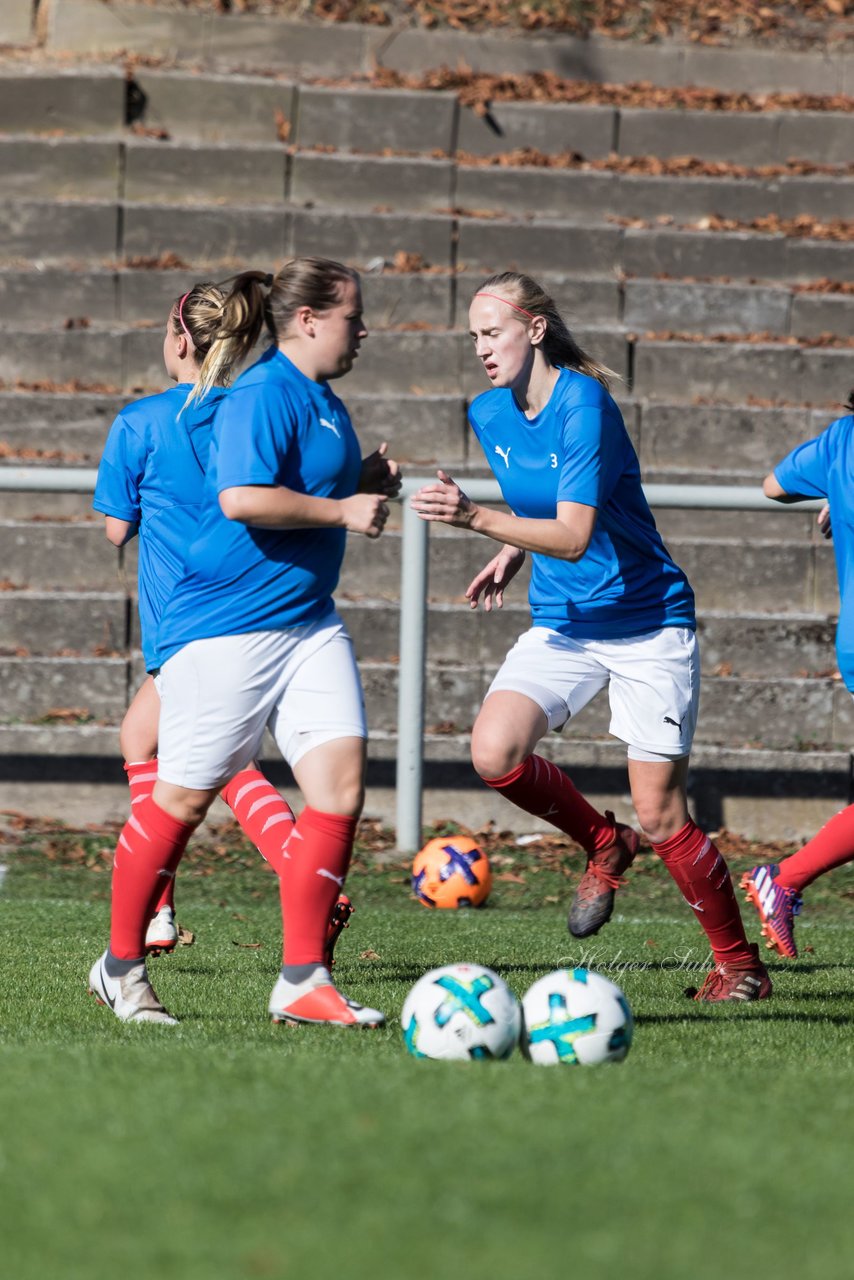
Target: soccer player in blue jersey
[820, 468]
[150, 482]
[250, 639]
[609, 608]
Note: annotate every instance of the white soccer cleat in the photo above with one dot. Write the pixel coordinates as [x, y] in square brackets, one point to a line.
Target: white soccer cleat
[131, 997]
[162, 932]
[316, 1000]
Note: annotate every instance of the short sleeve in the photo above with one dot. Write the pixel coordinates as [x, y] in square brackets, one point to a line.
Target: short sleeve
[254, 431]
[120, 473]
[582, 475]
[806, 470]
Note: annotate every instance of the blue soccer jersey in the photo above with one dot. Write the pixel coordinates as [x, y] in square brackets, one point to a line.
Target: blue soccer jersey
[152, 474]
[577, 449]
[275, 427]
[824, 468]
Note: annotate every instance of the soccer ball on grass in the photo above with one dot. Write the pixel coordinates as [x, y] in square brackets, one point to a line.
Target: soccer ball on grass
[451, 871]
[461, 1011]
[575, 1016]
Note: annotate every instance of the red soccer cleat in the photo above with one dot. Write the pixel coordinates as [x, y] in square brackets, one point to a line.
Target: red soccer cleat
[338, 922]
[729, 982]
[593, 903]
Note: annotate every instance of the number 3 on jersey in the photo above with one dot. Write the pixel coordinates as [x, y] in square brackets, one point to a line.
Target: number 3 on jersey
[553, 457]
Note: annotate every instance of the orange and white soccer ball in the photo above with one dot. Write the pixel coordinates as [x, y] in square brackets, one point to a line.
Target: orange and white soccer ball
[451, 871]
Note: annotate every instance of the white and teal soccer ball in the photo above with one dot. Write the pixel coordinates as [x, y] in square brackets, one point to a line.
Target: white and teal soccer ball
[575, 1016]
[461, 1011]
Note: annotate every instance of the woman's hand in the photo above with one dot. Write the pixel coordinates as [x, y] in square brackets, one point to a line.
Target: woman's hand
[445, 502]
[823, 521]
[380, 474]
[489, 584]
[365, 513]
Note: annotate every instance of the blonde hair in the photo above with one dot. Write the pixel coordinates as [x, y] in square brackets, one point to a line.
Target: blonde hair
[256, 301]
[559, 346]
[198, 314]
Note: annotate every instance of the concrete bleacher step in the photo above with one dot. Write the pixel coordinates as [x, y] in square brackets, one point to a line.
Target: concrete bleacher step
[268, 41]
[71, 231]
[50, 623]
[74, 770]
[143, 169]
[784, 713]
[53, 297]
[771, 575]
[436, 362]
[195, 105]
[725, 443]
[439, 362]
[49, 297]
[778, 576]
[87, 624]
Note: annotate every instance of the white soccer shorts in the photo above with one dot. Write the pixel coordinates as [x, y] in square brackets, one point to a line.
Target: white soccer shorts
[653, 683]
[218, 695]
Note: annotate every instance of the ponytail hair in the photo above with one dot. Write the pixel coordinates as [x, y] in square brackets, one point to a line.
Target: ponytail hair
[849, 403]
[197, 314]
[559, 346]
[255, 301]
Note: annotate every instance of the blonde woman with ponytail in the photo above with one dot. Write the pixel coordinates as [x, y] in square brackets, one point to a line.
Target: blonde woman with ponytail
[150, 483]
[249, 638]
[610, 609]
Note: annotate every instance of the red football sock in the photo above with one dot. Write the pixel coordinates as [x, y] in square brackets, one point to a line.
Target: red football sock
[542, 789]
[150, 847]
[267, 819]
[314, 869]
[831, 847]
[704, 881]
[142, 775]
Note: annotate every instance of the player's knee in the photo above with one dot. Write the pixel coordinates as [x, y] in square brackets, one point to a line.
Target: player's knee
[658, 817]
[351, 798]
[343, 796]
[493, 758]
[182, 804]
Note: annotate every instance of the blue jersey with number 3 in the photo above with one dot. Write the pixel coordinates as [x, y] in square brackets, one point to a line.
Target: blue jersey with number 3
[276, 427]
[824, 468]
[577, 449]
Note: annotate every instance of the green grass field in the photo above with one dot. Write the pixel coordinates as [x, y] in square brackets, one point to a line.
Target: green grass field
[229, 1148]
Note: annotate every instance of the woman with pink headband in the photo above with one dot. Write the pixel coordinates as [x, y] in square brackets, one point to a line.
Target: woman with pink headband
[150, 482]
[610, 609]
[250, 639]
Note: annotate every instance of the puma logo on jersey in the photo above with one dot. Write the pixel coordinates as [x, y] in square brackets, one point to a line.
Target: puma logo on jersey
[677, 724]
[324, 422]
[504, 453]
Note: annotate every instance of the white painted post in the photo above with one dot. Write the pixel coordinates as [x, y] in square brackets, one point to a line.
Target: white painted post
[410, 695]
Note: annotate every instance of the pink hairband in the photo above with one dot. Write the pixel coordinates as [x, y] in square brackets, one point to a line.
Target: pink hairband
[181, 315]
[498, 297]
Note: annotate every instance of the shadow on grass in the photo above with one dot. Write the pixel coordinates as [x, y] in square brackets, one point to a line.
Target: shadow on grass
[697, 1013]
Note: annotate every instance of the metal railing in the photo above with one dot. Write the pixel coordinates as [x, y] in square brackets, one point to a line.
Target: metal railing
[413, 595]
